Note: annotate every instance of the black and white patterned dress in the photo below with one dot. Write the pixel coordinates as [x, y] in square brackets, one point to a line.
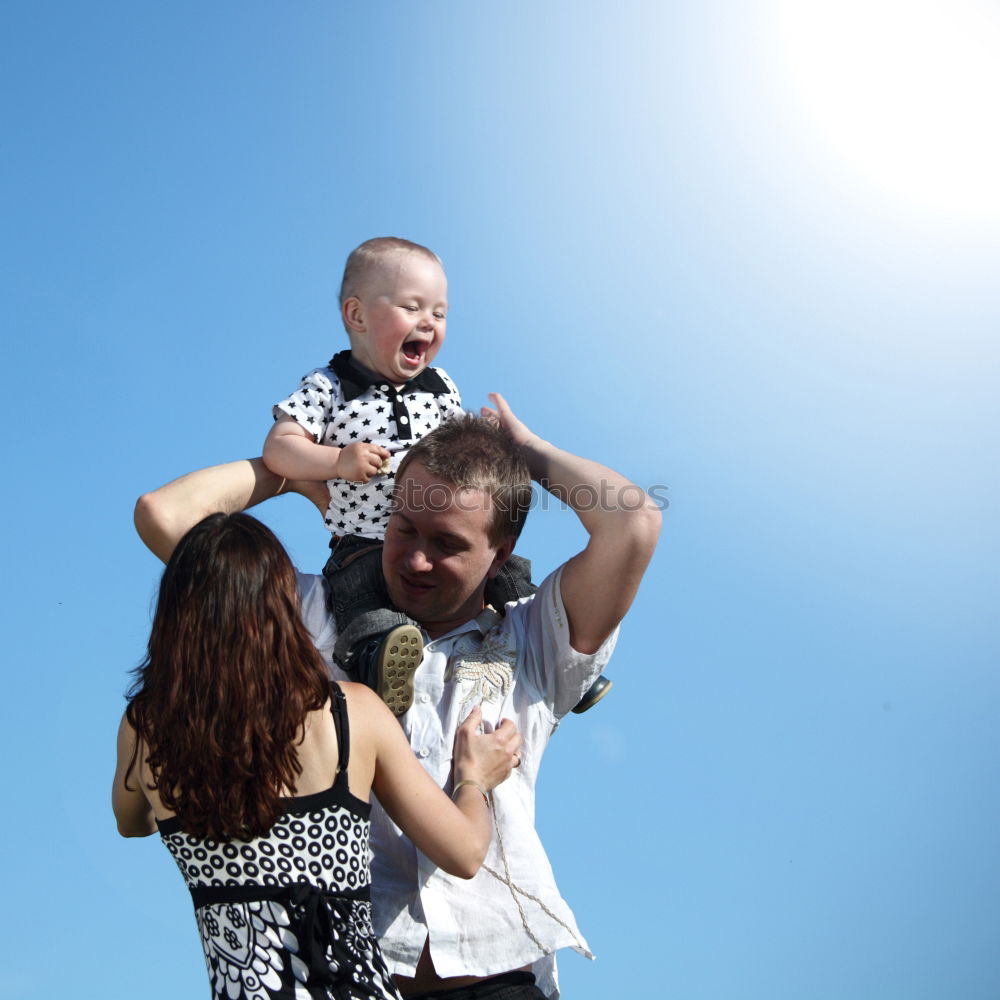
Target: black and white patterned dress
[288, 915]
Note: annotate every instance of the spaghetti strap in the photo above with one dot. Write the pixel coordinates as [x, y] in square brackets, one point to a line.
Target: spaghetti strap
[338, 707]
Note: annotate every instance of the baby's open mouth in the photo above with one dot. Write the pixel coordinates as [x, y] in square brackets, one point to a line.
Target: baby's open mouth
[413, 350]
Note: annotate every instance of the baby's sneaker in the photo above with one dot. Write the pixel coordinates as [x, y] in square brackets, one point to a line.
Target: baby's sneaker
[593, 695]
[399, 655]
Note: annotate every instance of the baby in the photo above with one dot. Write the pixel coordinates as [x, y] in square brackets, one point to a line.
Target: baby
[350, 424]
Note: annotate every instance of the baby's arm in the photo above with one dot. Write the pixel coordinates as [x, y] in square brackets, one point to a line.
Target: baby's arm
[291, 451]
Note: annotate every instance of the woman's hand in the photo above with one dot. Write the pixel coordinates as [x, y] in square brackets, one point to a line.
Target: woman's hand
[485, 758]
[455, 835]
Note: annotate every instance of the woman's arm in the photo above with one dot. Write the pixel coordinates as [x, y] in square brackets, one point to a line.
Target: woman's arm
[163, 516]
[454, 835]
[132, 809]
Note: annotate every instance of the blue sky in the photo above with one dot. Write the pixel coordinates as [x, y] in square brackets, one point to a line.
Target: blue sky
[744, 253]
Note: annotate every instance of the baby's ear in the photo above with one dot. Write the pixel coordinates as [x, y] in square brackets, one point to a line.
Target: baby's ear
[353, 313]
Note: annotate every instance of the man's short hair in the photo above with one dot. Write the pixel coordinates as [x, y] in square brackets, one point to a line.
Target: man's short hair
[470, 452]
[371, 255]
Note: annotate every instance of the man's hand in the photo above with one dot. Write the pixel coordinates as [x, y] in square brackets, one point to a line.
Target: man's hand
[504, 416]
[360, 461]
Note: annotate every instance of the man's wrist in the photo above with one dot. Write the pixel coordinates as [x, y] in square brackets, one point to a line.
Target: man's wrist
[535, 452]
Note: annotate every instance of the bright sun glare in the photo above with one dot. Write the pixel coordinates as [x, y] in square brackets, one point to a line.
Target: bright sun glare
[905, 91]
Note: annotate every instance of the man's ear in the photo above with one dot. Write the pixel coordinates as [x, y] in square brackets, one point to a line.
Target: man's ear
[353, 313]
[503, 553]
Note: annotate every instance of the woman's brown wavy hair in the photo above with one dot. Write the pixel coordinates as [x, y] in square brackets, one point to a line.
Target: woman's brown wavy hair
[229, 675]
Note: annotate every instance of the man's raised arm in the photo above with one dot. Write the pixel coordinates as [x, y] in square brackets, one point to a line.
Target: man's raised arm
[599, 583]
[163, 516]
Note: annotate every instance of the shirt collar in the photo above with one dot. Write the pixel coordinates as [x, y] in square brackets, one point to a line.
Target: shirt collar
[482, 623]
[354, 379]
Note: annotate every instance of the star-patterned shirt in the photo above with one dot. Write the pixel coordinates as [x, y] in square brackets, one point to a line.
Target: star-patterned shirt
[343, 403]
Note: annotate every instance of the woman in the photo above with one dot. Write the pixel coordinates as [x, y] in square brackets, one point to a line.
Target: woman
[256, 770]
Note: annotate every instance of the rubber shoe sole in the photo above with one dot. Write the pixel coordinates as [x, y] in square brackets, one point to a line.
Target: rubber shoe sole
[401, 654]
[594, 694]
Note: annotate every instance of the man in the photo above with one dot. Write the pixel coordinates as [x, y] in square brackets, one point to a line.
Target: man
[461, 498]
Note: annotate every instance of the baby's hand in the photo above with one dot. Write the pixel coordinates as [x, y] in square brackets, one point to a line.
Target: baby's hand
[360, 461]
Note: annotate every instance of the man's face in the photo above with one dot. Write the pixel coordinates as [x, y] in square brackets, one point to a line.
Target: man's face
[397, 323]
[437, 555]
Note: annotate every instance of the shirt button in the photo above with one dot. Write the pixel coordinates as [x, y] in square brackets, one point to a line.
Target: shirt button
[404, 419]
[424, 698]
[384, 388]
[423, 752]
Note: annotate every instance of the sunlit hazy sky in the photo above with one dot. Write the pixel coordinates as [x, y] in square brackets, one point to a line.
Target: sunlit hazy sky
[744, 253]
[902, 94]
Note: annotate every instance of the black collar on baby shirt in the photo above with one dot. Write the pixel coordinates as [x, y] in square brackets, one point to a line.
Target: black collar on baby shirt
[354, 379]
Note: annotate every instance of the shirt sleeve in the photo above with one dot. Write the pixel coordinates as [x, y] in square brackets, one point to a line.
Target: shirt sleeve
[449, 404]
[560, 674]
[318, 620]
[316, 614]
[311, 405]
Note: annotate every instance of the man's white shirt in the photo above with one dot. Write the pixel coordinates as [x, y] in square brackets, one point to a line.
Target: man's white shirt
[519, 666]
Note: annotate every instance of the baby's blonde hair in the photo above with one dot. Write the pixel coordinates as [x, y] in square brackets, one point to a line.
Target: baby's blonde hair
[372, 254]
